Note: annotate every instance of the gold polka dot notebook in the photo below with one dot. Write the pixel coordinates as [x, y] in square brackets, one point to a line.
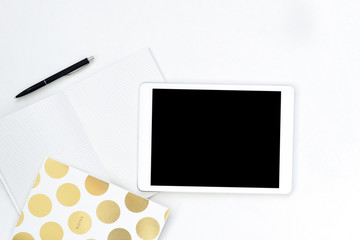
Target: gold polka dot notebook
[66, 203]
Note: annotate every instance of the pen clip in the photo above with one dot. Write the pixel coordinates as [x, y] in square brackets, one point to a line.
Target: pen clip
[77, 70]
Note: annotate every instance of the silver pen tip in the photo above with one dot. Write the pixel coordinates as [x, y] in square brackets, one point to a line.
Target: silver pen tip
[90, 58]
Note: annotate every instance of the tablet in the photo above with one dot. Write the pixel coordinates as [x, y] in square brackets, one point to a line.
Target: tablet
[215, 138]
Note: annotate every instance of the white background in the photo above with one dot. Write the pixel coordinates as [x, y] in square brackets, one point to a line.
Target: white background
[311, 45]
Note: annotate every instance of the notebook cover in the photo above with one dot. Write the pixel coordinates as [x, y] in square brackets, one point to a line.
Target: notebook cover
[66, 203]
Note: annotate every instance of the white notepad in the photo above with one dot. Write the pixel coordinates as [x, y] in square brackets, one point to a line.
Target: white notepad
[91, 126]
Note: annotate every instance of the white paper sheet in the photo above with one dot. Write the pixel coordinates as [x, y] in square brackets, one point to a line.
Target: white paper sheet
[91, 126]
[49, 127]
[107, 106]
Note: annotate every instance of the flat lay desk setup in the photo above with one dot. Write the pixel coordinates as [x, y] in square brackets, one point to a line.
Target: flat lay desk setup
[224, 132]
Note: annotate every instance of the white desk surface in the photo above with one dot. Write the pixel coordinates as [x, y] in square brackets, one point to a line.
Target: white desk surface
[311, 45]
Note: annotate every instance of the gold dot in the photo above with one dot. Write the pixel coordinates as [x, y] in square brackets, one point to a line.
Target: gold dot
[51, 231]
[23, 236]
[95, 186]
[37, 181]
[79, 222]
[119, 234]
[135, 203]
[68, 194]
[55, 169]
[21, 219]
[166, 214]
[108, 211]
[39, 205]
[147, 228]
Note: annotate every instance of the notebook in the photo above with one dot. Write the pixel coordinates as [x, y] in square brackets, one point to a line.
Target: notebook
[91, 126]
[67, 203]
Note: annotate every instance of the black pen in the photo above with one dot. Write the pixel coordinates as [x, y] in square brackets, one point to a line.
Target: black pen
[56, 76]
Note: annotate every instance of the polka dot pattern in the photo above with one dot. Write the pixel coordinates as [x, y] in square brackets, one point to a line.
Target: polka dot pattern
[108, 211]
[66, 203]
[68, 194]
[51, 231]
[21, 219]
[147, 228]
[135, 203]
[37, 181]
[55, 169]
[95, 186]
[23, 236]
[119, 234]
[39, 205]
[79, 222]
[166, 214]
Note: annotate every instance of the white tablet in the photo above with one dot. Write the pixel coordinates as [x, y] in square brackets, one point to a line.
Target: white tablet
[215, 138]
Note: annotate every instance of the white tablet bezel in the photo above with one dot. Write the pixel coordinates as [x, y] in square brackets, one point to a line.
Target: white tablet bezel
[286, 138]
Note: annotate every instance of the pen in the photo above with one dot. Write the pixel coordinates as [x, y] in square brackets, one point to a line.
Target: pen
[56, 76]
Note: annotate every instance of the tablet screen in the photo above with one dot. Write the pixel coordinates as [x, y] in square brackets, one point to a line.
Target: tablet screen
[215, 138]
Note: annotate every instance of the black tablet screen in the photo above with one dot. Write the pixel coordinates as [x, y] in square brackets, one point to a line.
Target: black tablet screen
[215, 138]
